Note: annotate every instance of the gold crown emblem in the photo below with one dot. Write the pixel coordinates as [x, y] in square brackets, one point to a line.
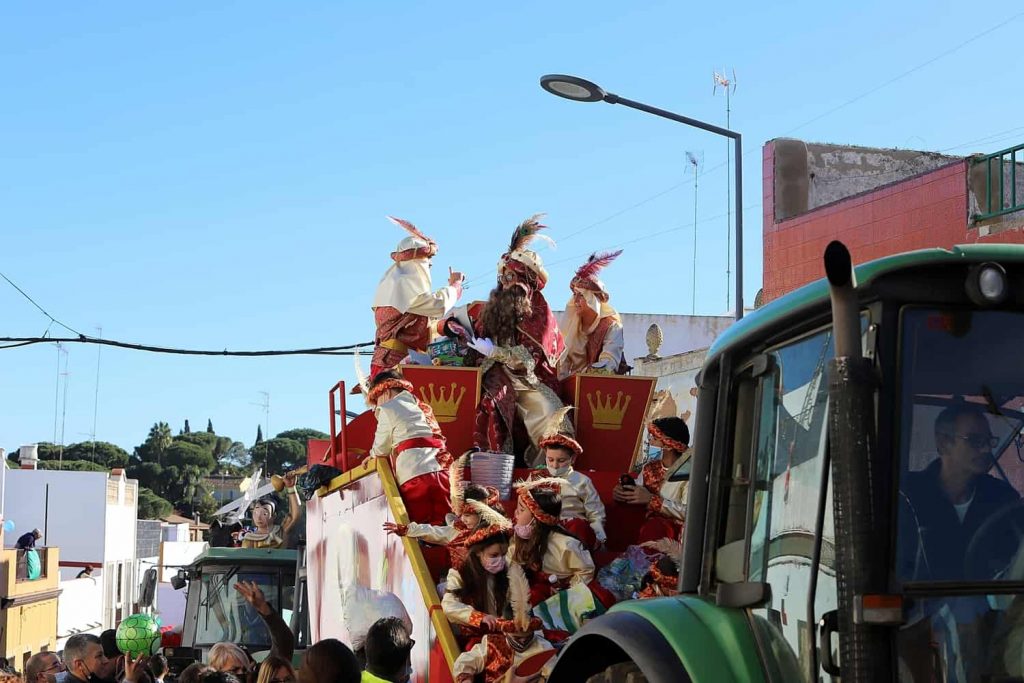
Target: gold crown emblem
[445, 403]
[608, 415]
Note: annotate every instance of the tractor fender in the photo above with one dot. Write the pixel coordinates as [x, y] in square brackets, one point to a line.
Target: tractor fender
[677, 639]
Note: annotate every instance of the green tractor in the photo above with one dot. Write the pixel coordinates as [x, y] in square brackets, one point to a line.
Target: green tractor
[854, 504]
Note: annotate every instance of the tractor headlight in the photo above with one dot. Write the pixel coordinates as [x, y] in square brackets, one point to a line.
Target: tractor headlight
[987, 285]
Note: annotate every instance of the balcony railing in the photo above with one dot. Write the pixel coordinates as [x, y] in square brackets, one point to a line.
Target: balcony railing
[1001, 197]
[22, 568]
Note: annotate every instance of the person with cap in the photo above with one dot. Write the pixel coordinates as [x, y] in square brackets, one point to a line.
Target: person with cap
[517, 344]
[583, 513]
[404, 302]
[268, 534]
[464, 518]
[513, 641]
[388, 646]
[408, 433]
[27, 541]
[665, 499]
[476, 591]
[591, 327]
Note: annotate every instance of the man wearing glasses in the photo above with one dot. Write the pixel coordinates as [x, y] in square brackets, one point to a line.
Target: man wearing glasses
[40, 665]
[954, 496]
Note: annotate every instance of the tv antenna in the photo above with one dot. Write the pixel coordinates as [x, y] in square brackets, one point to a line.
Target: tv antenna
[728, 86]
[265, 404]
[696, 162]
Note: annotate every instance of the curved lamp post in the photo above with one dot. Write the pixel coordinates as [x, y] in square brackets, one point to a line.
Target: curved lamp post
[582, 90]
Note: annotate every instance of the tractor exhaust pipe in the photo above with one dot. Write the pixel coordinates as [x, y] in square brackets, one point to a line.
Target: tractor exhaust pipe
[858, 498]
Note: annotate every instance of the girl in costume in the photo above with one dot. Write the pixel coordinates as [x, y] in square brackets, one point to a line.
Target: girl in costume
[408, 433]
[552, 557]
[499, 654]
[268, 534]
[662, 578]
[665, 499]
[476, 592]
[466, 518]
[583, 513]
[404, 301]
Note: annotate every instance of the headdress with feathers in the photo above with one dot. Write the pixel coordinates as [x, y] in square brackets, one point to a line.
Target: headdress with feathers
[586, 275]
[524, 488]
[521, 261]
[455, 483]
[667, 583]
[419, 246]
[519, 600]
[493, 524]
[558, 431]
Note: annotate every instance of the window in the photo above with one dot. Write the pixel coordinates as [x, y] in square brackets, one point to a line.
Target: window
[789, 449]
[225, 616]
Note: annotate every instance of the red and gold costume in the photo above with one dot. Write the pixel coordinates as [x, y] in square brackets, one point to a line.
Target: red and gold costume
[591, 327]
[667, 509]
[520, 381]
[404, 302]
[408, 433]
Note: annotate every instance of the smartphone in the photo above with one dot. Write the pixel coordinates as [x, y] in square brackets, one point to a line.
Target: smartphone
[627, 480]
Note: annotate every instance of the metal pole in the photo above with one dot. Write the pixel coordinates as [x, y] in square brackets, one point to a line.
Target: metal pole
[738, 158]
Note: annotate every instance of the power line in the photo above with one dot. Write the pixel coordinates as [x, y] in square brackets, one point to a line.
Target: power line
[347, 350]
[41, 309]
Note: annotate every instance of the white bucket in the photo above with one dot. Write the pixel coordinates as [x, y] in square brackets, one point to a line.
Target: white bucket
[493, 469]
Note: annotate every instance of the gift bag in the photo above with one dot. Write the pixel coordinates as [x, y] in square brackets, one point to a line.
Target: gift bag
[567, 609]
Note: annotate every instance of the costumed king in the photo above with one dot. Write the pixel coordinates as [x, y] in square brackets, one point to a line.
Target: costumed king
[591, 327]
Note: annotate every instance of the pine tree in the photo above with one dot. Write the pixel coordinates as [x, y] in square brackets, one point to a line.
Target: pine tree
[187, 429]
[209, 426]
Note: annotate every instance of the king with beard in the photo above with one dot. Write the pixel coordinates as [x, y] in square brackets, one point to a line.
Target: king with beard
[591, 327]
[516, 341]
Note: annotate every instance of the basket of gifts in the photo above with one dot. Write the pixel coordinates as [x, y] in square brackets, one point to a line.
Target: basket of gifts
[445, 352]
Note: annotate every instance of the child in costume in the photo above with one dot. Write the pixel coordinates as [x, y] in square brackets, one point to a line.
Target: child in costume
[552, 557]
[466, 518]
[592, 329]
[583, 513]
[662, 578]
[408, 433]
[404, 302]
[476, 592]
[498, 654]
[669, 439]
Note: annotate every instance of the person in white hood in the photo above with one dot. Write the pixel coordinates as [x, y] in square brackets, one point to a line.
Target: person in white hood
[404, 302]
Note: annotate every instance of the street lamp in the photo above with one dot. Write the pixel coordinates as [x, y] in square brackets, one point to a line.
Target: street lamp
[582, 90]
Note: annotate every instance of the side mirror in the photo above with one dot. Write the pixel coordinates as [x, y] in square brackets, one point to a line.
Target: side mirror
[179, 580]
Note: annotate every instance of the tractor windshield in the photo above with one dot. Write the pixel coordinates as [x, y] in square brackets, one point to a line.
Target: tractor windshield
[224, 615]
[960, 536]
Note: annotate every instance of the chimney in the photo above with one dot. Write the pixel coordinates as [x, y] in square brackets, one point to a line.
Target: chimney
[28, 457]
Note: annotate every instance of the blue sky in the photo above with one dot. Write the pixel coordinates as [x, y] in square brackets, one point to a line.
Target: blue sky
[216, 175]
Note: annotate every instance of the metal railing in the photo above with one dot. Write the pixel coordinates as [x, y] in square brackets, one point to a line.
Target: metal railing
[996, 203]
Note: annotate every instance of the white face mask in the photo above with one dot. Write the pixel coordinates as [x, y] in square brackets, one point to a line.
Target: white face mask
[559, 471]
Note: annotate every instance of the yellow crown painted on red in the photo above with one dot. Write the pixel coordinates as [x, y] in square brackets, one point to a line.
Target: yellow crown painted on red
[606, 414]
[444, 402]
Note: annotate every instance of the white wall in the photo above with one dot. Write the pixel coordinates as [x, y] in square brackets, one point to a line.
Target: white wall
[682, 332]
[74, 517]
[79, 608]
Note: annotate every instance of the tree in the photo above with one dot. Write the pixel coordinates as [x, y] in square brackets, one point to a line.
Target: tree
[100, 452]
[259, 435]
[156, 444]
[187, 430]
[72, 466]
[152, 506]
[280, 455]
[235, 455]
[205, 440]
[209, 426]
[182, 454]
[150, 475]
[302, 435]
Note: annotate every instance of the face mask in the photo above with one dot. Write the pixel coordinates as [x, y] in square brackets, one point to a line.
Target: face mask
[558, 471]
[654, 453]
[524, 531]
[494, 564]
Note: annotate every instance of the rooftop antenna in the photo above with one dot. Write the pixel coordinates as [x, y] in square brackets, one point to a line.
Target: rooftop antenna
[64, 408]
[729, 87]
[696, 162]
[265, 404]
[96, 394]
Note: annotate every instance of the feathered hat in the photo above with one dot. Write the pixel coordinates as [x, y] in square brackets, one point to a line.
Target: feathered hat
[525, 491]
[415, 245]
[558, 431]
[493, 525]
[520, 263]
[586, 275]
[519, 600]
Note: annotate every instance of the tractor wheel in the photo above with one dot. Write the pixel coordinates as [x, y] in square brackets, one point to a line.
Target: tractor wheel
[623, 672]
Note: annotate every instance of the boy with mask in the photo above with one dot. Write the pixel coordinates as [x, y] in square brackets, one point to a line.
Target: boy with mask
[583, 513]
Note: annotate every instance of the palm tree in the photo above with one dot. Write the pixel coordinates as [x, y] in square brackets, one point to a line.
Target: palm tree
[159, 440]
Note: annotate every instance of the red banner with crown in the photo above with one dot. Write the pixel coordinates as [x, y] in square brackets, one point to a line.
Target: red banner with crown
[609, 418]
[453, 393]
